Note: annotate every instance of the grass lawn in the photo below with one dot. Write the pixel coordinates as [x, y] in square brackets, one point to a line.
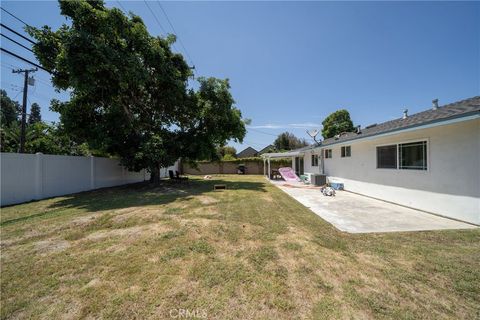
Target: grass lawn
[249, 252]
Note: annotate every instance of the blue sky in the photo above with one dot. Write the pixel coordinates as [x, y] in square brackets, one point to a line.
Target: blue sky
[292, 63]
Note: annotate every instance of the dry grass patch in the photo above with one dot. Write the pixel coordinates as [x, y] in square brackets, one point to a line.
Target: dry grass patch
[247, 252]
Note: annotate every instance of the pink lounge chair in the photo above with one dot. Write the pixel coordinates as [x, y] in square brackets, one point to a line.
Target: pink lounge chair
[288, 174]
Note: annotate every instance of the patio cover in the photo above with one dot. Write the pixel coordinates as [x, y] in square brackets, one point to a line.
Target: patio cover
[267, 156]
[288, 154]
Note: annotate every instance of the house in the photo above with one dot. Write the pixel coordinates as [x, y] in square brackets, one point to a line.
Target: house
[247, 153]
[269, 148]
[428, 161]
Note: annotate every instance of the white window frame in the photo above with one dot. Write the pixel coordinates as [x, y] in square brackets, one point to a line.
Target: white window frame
[345, 156]
[427, 140]
[376, 156]
[312, 157]
[325, 153]
[400, 156]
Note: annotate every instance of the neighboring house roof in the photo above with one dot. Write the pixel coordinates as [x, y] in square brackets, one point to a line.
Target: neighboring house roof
[266, 149]
[447, 112]
[247, 152]
[287, 154]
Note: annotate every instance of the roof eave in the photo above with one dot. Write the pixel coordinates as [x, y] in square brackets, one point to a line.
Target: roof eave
[434, 123]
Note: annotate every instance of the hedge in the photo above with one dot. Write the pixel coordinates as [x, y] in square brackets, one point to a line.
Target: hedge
[280, 161]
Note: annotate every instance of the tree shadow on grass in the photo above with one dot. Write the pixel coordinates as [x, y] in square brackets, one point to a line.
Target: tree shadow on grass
[138, 194]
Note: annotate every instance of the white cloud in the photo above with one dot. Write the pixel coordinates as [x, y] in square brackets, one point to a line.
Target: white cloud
[305, 125]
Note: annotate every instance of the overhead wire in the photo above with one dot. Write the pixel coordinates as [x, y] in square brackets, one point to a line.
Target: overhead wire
[24, 59]
[155, 16]
[16, 42]
[121, 6]
[14, 16]
[176, 34]
[259, 131]
[17, 33]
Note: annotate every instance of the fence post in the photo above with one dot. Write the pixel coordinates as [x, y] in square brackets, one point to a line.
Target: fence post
[39, 175]
[92, 172]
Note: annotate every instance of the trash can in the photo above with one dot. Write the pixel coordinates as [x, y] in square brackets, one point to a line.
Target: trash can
[241, 169]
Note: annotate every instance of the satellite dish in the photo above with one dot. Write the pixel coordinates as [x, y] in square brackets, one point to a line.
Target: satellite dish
[313, 134]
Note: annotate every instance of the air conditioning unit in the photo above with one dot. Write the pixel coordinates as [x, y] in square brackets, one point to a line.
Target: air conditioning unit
[318, 179]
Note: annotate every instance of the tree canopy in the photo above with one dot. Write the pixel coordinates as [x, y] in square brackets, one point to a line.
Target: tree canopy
[227, 152]
[337, 123]
[39, 136]
[10, 110]
[288, 141]
[129, 91]
[35, 115]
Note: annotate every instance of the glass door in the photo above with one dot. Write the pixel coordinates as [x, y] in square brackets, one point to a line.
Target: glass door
[299, 166]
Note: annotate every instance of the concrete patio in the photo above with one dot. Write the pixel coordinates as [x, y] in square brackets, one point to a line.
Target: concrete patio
[354, 213]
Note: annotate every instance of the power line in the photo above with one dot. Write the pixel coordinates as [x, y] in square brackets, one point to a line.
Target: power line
[179, 39]
[155, 16]
[41, 96]
[16, 42]
[23, 59]
[11, 84]
[17, 33]
[11, 65]
[14, 16]
[17, 94]
[270, 134]
[43, 81]
[121, 6]
[6, 67]
[37, 78]
[26, 72]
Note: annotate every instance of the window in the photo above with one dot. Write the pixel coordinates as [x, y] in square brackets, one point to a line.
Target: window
[387, 157]
[328, 153]
[346, 151]
[410, 156]
[314, 160]
[413, 156]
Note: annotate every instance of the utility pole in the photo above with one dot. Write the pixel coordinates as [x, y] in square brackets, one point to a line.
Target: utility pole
[24, 105]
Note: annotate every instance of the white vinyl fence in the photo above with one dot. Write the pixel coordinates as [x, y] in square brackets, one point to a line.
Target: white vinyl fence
[26, 177]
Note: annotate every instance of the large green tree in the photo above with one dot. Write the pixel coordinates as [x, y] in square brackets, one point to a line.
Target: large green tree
[10, 110]
[129, 94]
[288, 141]
[35, 115]
[337, 123]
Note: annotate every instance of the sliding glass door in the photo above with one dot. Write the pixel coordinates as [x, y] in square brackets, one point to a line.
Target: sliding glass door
[299, 166]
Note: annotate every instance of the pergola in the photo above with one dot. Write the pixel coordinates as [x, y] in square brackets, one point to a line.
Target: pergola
[277, 155]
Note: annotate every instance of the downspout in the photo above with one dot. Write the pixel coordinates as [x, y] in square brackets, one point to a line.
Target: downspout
[322, 162]
[269, 171]
[264, 168]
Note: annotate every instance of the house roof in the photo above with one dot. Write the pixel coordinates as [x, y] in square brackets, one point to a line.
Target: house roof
[267, 148]
[246, 151]
[447, 112]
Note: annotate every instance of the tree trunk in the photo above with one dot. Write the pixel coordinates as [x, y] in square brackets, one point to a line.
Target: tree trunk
[155, 175]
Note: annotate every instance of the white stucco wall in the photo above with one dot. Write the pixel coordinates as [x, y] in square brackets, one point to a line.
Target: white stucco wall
[26, 177]
[450, 187]
[307, 162]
